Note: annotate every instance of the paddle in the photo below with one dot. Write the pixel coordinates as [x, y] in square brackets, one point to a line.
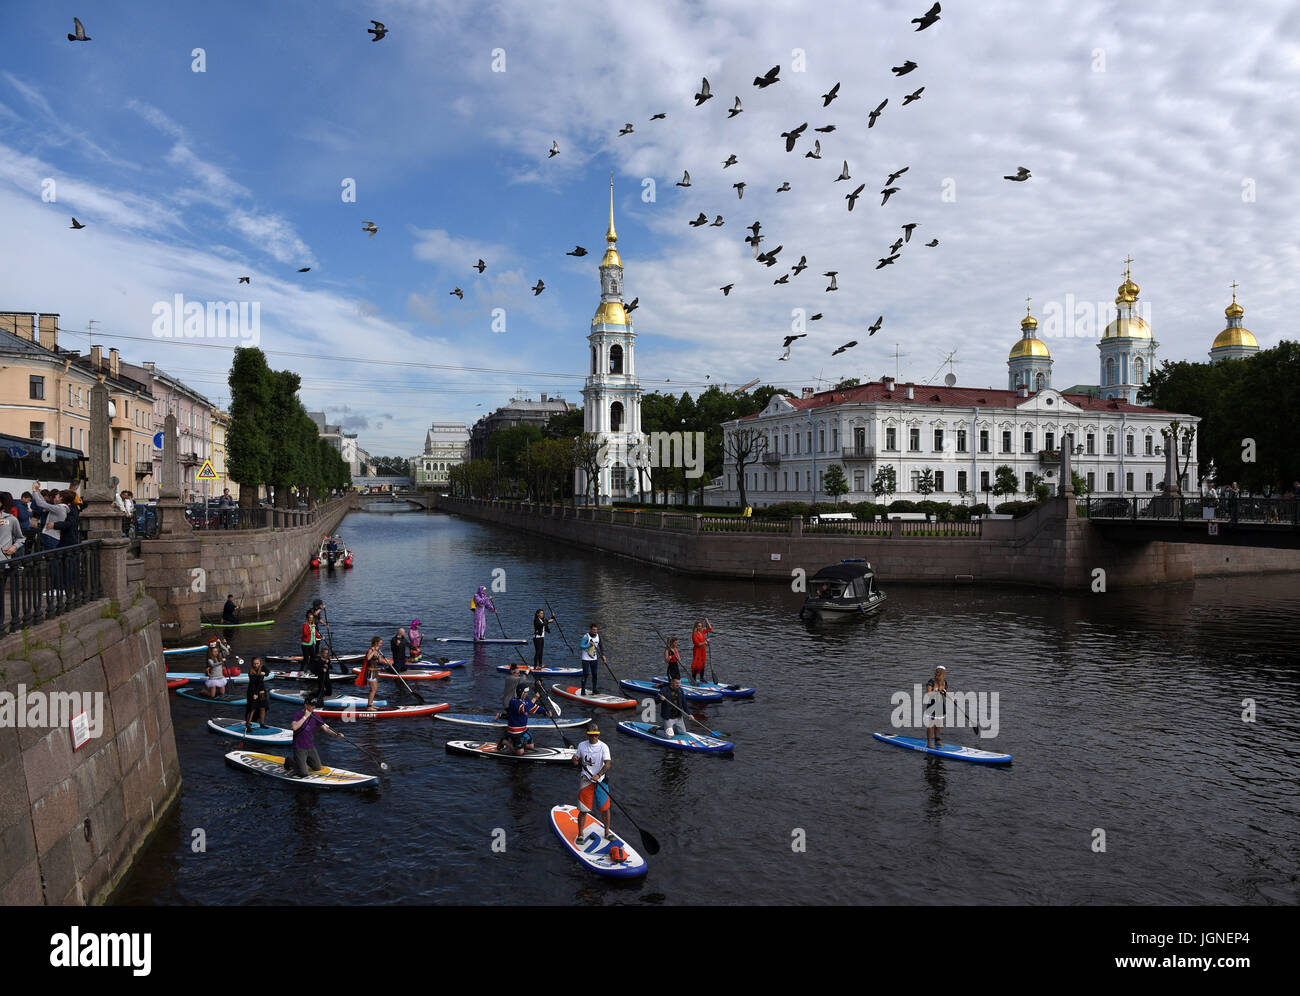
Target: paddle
[558, 626]
[648, 840]
[383, 765]
[976, 726]
[418, 697]
[708, 650]
[731, 688]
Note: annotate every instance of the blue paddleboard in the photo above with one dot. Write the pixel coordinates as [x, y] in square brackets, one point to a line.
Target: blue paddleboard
[690, 693]
[683, 741]
[947, 750]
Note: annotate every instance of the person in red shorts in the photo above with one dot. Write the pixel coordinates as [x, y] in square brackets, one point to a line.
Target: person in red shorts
[593, 760]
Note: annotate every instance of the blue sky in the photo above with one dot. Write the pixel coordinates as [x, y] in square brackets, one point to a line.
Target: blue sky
[1142, 124]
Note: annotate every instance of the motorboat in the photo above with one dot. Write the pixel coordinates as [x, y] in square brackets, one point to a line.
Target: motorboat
[847, 590]
[333, 553]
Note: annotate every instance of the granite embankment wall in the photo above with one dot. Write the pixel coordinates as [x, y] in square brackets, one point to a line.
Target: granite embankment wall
[260, 567]
[1051, 547]
[72, 821]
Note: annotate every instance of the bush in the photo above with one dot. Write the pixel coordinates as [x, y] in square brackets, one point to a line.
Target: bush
[958, 513]
[1016, 508]
[903, 505]
[980, 509]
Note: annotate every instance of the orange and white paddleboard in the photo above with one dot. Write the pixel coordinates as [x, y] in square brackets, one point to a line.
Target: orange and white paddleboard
[602, 699]
[615, 857]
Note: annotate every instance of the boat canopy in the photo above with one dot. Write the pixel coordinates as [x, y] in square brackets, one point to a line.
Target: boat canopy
[843, 572]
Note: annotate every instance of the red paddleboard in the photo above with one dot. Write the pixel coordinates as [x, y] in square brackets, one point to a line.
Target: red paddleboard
[392, 712]
[602, 699]
[423, 675]
[177, 682]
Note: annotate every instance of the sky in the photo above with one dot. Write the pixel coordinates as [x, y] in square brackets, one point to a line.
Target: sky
[1158, 130]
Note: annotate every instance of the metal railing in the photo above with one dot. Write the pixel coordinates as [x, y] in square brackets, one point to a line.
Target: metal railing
[771, 459]
[41, 586]
[858, 453]
[1175, 508]
[842, 526]
[740, 524]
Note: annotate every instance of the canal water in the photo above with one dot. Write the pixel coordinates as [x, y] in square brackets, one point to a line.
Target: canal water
[1136, 778]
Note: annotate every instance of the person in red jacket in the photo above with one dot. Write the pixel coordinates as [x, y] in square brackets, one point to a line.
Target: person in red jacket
[700, 638]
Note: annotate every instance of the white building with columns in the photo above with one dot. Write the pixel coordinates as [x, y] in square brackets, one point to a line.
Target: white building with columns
[612, 393]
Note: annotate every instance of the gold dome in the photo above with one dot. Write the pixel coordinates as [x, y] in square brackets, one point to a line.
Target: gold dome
[1234, 310]
[1029, 347]
[1029, 322]
[1128, 292]
[1133, 328]
[611, 258]
[610, 313]
[1235, 337]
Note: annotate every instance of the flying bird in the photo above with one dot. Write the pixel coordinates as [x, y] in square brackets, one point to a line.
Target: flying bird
[894, 176]
[740, 189]
[480, 266]
[897, 245]
[816, 317]
[717, 222]
[705, 93]
[785, 355]
[913, 96]
[928, 18]
[626, 129]
[81, 31]
[907, 231]
[871, 118]
[817, 150]
[848, 345]
[887, 192]
[826, 130]
[76, 224]
[304, 269]
[932, 243]
[1021, 176]
[755, 227]
[886, 261]
[685, 181]
[460, 294]
[726, 290]
[853, 197]
[830, 95]
[538, 287]
[658, 117]
[244, 280]
[792, 136]
[844, 173]
[769, 258]
[731, 160]
[904, 69]
[783, 188]
[370, 227]
[577, 251]
[782, 279]
[832, 274]
[874, 328]
[799, 267]
[555, 150]
[733, 111]
[636, 303]
[703, 219]
[768, 78]
[791, 338]
[378, 31]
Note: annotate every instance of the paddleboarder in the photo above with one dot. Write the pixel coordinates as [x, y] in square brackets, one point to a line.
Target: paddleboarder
[308, 644]
[326, 686]
[304, 724]
[398, 645]
[480, 605]
[672, 714]
[258, 697]
[517, 674]
[370, 669]
[700, 638]
[591, 655]
[520, 707]
[672, 659]
[593, 760]
[215, 683]
[415, 639]
[541, 626]
[938, 686]
[230, 611]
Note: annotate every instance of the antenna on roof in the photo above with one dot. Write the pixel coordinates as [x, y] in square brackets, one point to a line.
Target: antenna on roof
[948, 362]
[897, 354]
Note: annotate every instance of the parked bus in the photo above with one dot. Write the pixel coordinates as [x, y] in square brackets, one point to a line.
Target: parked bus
[23, 461]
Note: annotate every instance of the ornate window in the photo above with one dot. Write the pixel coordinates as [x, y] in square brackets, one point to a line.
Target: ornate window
[616, 415]
[1040, 381]
[616, 359]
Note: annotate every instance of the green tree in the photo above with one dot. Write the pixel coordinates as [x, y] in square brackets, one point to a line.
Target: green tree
[566, 426]
[762, 395]
[885, 483]
[282, 424]
[587, 456]
[844, 385]
[835, 483]
[1080, 484]
[1004, 481]
[925, 483]
[1038, 487]
[248, 443]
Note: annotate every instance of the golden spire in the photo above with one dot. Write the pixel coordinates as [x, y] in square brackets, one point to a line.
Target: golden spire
[1234, 310]
[1029, 321]
[611, 236]
[1128, 290]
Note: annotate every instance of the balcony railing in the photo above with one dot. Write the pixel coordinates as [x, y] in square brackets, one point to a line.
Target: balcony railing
[189, 458]
[771, 459]
[1049, 456]
[858, 453]
[144, 468]
[44, 585]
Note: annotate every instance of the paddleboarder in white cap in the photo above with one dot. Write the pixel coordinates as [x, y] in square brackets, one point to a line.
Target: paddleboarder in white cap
[939, 686]
[592, 758]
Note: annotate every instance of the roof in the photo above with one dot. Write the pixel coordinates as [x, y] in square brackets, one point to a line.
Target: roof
[952, 397]
[843, 572]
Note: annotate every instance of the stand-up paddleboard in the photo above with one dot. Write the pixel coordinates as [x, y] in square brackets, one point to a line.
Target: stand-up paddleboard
[433, 662]
[539, 755]
[337, 702]
[295, 660]
[545, 672]
[196, 696]
[470, 639]
[178, 651]
[344, 677]
[947, 750]
[602, 699]
[420, 675]
[177, 682]
[226, 625]
[692, 693]
[260, 734]
[198, 677]
[391, 712]
[483, 719]
[683, 741]
[594, 851]
[273, 765]
[726, 691]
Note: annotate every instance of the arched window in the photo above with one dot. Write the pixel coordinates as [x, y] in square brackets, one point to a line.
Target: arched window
[593, 361]
[1137, 370]
[1039, 381]
[616, 415]
[1110, 371]
[616, 359]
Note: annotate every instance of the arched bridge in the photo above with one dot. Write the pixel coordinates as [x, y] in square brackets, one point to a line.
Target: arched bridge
[400, 501]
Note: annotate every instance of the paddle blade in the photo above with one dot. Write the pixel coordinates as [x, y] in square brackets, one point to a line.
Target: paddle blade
[648, 842]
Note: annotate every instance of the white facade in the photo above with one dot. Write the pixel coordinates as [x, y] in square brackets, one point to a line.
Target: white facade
[612, 393]
[446, 445]
[960, 434]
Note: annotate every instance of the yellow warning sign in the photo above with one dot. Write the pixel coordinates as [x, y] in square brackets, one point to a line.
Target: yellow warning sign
[206, 473]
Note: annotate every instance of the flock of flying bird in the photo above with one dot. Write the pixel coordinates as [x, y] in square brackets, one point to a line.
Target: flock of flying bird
[792, 137]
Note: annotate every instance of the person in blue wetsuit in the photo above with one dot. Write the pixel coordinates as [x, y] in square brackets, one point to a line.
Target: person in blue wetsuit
[518, 710]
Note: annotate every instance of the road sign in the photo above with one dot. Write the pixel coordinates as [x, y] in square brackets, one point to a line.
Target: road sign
[157, 440]
[1214, 529]
[206, 473]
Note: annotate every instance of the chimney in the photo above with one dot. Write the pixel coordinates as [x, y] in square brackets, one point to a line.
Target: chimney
[49, 331]
[96, 358]
[807, 392]
[889, 383]
[910, 393]
[20, 325]
[114, 362]
[543, 396]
